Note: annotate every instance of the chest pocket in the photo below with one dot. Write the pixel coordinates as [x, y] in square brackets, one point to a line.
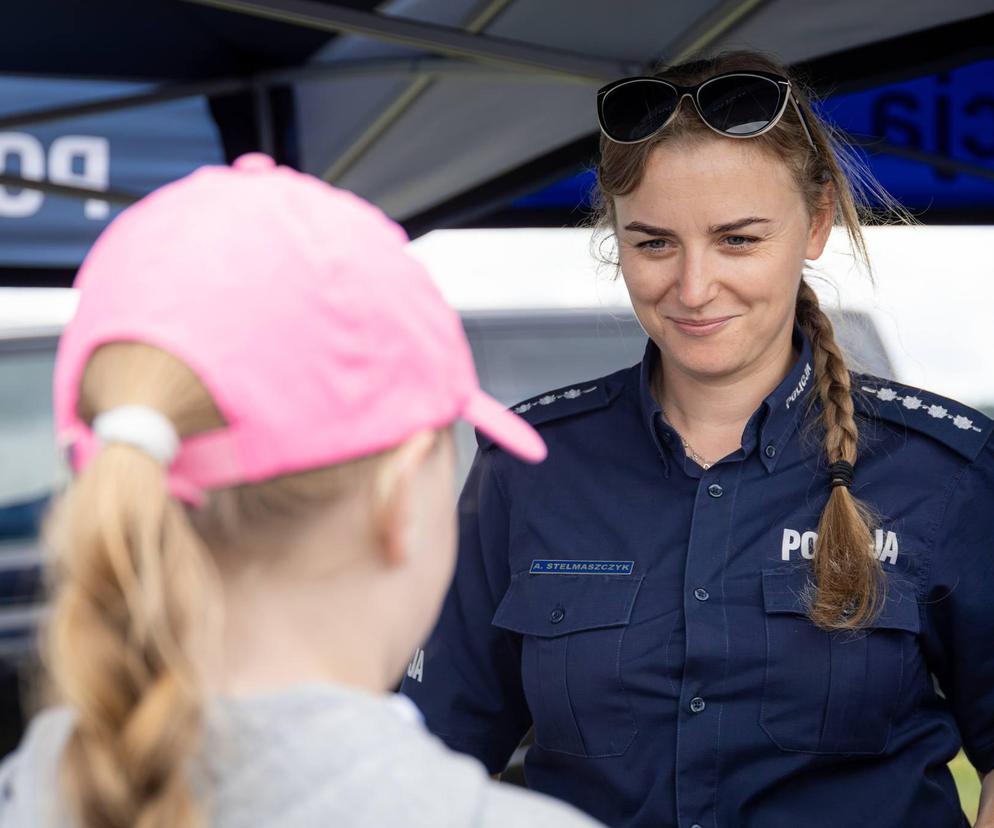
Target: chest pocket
[832, 692]
[572, 629]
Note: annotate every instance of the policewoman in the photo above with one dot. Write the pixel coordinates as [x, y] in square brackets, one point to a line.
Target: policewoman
[748, 587]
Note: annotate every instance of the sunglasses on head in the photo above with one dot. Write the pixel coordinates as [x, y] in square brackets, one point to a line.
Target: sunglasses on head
[736, 104]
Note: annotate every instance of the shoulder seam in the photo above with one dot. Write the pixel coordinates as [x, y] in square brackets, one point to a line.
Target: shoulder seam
[940, 520]
[958, 427]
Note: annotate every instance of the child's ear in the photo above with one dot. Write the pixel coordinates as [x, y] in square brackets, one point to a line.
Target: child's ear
[395, 496]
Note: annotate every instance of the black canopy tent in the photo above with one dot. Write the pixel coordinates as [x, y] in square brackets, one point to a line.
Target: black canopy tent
[443, 111]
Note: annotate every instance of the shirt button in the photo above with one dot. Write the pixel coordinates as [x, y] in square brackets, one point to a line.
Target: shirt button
[697, 704]
[715, 490]
[695, 825]
[701, 594]
[557, 615]
[771, 451]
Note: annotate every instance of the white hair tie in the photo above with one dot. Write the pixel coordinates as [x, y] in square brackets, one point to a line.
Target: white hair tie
[144, 428]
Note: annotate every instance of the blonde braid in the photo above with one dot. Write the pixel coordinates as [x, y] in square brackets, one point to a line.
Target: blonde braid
[132, 588]
[849, 578]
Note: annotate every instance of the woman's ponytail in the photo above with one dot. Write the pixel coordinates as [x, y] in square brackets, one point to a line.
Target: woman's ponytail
[848, 576]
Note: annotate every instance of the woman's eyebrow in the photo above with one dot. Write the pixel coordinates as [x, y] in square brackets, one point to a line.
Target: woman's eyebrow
[736, 225]
[648, 229]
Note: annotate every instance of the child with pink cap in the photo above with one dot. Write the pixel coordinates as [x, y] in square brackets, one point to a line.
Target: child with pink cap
[256, 394]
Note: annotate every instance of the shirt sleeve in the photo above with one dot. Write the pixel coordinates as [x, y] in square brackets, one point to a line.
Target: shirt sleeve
[959, 607]
[469, 687]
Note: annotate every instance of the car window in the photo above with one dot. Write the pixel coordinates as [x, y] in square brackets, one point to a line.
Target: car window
[30, 465]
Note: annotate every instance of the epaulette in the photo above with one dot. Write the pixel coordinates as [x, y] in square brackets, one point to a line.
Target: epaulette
[951, 423]
[563, 402]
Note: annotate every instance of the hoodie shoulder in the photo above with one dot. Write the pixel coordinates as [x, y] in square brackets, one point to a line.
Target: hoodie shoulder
[504, 804]
[30, 774]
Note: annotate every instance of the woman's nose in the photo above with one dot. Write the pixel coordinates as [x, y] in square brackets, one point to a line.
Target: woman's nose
[696, 286]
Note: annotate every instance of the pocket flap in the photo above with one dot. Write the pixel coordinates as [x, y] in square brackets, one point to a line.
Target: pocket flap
[789, 590]
[554, 605]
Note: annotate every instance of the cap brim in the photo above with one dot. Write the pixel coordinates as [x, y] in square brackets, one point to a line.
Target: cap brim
[505, 428]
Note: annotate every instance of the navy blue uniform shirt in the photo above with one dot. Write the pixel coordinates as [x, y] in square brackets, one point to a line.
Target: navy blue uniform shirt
[648, 616]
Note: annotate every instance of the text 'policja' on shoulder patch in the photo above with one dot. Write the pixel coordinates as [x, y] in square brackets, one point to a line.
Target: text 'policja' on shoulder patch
[550, 567]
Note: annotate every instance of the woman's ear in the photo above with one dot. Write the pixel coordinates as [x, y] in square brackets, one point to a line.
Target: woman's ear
[821, 223]
[395, 497]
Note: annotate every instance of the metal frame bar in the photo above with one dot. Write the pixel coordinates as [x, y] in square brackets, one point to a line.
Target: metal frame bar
[164, 94]
[113, 196]
[429, 65]
[438, 39]
[721, 21]
[938, 162]
[389, 115]
[263, 111]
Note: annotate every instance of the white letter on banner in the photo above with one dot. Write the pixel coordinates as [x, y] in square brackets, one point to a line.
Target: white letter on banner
[32, 156]
[95, 153]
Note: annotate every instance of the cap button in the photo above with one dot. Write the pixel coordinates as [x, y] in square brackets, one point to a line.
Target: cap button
[254, 162]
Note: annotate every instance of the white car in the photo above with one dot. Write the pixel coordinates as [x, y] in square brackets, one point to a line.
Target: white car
[519, 352]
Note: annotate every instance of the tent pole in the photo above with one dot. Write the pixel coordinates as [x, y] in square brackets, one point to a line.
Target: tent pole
[113, 196]
[162, 95]
[421, 83]
[438, 39]
[718, 23]
[215, 88]
[263, 110]
[937, 162]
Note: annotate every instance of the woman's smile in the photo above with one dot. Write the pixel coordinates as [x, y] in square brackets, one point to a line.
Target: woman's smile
[701, 327]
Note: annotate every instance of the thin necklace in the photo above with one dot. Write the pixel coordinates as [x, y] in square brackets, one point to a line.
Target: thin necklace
[704, 464]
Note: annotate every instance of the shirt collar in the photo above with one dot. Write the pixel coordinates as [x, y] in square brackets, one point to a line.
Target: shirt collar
[772, 422]
[786, 404]
[650, 407]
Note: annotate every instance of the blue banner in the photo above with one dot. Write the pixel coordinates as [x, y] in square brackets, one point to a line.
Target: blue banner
[132, 151]
[948, 115]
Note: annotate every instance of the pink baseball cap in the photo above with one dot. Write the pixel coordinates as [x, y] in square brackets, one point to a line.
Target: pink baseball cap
[319, 337]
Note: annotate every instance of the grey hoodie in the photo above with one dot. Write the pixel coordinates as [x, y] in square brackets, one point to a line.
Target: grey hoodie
[316, 755]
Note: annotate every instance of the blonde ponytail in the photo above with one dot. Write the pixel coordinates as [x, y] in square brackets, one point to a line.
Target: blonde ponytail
[132, 590]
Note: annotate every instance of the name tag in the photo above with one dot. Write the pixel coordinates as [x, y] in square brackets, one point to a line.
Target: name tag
[582, 567]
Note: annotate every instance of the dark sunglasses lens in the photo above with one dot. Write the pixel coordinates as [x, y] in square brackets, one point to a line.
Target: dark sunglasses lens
[740, 104]
[635, 110]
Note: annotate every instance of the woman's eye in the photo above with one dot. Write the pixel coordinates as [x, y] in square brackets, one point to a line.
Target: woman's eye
[653, 244]
[739, 241]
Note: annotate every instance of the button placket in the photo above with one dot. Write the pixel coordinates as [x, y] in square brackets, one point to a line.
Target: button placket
[706, 636]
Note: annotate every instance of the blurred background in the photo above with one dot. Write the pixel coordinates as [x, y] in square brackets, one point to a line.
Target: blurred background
[471, 123]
